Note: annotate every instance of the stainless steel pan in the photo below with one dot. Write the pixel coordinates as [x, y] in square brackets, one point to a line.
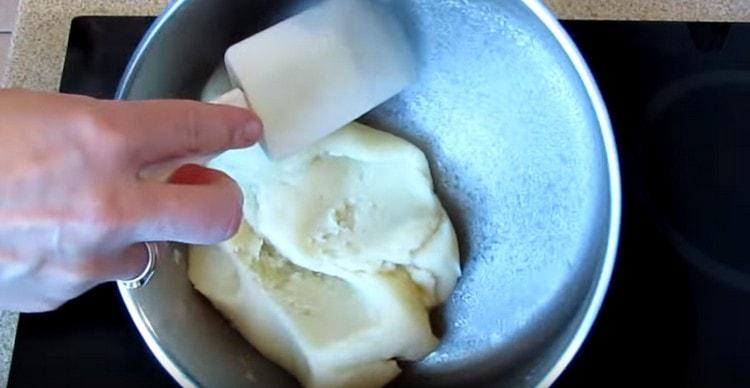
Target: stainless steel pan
[523, 158]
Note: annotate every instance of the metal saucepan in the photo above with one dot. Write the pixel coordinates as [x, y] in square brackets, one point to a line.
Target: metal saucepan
[523, 158]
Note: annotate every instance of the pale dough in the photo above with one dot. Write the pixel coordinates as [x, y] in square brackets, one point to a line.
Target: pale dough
[344, 249]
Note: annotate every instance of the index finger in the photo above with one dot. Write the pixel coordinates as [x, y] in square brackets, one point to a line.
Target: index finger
[165, 129]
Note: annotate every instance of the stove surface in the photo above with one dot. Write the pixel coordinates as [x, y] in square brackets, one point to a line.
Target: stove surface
[678, 308]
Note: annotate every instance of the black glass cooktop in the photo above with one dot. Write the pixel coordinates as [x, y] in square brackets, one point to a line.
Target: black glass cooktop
[678, 309]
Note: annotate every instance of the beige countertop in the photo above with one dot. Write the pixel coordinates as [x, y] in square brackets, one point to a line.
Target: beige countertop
[681, 10]
[38, 44]
[41, 34]
[41, 30]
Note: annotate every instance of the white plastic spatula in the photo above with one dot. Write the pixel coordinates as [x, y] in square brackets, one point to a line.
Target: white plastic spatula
[313, 73]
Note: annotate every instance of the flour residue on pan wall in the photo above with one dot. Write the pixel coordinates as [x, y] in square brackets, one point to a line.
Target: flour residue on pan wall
[513, 165]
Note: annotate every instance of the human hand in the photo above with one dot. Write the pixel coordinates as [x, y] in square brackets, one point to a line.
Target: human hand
[73, 209]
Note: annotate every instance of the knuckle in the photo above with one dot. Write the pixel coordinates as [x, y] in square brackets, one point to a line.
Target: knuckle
[104, 212]
[111, 142]
[85, 118]
[98, 133]
[192, 133]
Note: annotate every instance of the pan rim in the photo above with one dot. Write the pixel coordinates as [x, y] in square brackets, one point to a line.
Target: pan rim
[596, 295]
[595, 298]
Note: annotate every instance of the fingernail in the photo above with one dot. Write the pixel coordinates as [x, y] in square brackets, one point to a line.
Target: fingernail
[253, 130]
[188, 174]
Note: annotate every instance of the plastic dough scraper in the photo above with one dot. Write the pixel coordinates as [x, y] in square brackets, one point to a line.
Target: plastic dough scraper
[317, 71]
